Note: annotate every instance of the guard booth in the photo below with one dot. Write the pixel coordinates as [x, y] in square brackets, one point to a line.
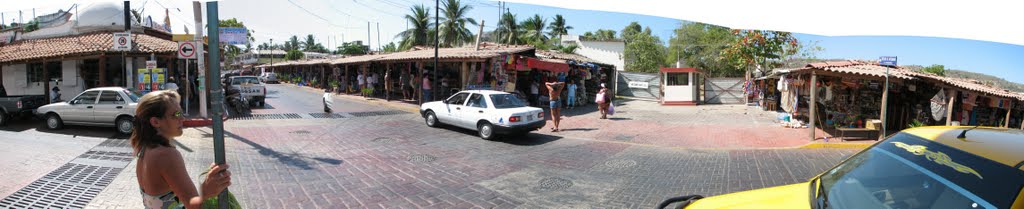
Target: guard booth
[679, 86]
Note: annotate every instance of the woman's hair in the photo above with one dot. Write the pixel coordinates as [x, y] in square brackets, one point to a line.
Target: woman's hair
[152, 105]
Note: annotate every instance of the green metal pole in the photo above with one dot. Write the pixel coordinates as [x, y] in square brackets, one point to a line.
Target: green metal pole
[437, 44]
[217, 93]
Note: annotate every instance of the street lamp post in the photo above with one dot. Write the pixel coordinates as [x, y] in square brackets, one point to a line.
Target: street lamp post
[271, 48]
[437, 44]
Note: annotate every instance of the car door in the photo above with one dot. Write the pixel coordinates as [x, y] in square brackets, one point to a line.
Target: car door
[474, 110]
[80, 108]
[108, 107]
[453, 109]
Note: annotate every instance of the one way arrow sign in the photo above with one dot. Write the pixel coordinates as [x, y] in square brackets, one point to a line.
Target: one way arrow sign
[186, 50]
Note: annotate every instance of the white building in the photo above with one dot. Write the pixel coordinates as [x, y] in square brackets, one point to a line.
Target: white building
[602, 51]
[77, 54]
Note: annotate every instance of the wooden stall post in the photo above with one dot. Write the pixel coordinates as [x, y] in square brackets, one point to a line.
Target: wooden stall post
[1009, 108]
[949, 108]
[103, 70]
[813, 103]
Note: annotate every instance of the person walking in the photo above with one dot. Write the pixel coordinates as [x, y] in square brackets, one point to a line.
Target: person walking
[535, 93]
[163, 180]
[555, 93]
[426, 88]
[387, 84]
[571, 100]
[603, 101]
[362, 84]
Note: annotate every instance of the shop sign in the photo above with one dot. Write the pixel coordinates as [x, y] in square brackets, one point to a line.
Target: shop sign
[887, 61]
[638, 85]
[234, 36]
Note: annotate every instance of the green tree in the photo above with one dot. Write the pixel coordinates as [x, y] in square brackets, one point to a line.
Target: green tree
[631, 30]
[390, 47]
[420, 25]
[766, 49]
[292, 43]
[939, 70]
[453, 24]
[558, 27]
[644, 52]
[700, 46]
[310, 44]
[353, 48]
[294, 55]
[508, 30]
[534, 30]
[600, 35]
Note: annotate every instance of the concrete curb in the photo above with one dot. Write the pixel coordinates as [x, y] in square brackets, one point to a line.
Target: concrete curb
[815, 145]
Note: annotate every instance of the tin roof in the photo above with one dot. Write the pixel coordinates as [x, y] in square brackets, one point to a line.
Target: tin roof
[80, 45]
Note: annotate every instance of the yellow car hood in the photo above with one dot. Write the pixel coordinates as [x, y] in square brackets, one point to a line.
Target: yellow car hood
[793, 196]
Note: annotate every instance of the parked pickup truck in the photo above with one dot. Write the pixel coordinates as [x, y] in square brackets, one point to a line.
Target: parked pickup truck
[11, 106]
[250, 87]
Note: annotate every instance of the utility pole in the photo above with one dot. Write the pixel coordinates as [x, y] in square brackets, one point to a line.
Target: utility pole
[127, 29]
[217, 95]
[437, 43]
[378, 37]
[197, 8]
[368, 37]
[479, 34]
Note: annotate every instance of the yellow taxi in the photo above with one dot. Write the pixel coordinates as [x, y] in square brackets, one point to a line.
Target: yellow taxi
[925, 167]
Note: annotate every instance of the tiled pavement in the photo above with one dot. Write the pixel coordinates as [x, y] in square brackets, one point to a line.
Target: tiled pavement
[349, 163]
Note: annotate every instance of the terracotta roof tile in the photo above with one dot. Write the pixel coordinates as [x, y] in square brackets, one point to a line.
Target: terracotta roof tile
[79, 45]
[564, 56]
[860, 68]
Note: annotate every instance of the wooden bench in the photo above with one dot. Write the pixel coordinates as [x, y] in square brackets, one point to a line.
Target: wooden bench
[842, 131]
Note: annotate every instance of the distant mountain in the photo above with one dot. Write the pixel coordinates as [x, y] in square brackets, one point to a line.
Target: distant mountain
[996, 81]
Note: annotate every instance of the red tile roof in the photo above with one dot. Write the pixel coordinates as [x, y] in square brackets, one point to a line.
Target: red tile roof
[456, 53]
[859, 68]
[87, 44]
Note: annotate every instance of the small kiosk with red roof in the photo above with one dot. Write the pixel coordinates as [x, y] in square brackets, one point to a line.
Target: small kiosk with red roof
[680, 86]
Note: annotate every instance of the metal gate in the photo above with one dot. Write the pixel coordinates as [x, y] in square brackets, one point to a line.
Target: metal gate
[723, 91]
[638, 85]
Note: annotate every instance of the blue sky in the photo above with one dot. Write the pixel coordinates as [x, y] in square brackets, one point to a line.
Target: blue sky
[997, 59]
[346, 20]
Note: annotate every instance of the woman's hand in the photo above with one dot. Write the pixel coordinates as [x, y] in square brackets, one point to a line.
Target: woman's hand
[216, 181]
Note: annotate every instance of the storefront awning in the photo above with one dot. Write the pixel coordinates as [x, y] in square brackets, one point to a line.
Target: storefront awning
[553, 65]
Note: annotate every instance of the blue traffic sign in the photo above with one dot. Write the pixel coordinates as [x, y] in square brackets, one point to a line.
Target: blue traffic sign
[887, 60]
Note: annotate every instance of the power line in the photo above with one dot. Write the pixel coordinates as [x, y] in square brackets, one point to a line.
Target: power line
[375, 9]
[318, 16]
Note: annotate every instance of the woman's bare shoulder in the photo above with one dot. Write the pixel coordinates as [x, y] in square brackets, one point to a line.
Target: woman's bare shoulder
[161, 153]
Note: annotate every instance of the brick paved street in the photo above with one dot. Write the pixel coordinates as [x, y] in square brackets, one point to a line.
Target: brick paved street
[362, 159]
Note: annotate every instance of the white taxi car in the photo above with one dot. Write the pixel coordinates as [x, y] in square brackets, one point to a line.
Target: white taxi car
[104, 106]
[488, 112]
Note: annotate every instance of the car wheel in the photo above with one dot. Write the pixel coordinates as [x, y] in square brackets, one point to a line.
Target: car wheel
[124, 125]
[3, 118]
[263, 102]
[432, 119]
[486, 130]
[53, 121]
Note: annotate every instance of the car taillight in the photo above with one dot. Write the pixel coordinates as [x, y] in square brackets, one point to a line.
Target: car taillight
[513, 119]
[540, 115]
[19, 104]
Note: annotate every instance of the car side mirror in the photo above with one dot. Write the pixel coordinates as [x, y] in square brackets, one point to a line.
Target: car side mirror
[72, 101]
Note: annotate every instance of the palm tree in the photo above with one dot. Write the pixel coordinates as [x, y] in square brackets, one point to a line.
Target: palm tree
[508, 29]
[453, 24]
[310, 44]
[293, 43]
[558, 27]
[419, 19]
[534, 28]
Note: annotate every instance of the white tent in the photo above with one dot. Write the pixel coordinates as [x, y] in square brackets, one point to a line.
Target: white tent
[995, 21]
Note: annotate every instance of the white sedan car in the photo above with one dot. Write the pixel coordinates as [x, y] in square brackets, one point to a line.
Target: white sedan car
[104, 106]
[488, 112]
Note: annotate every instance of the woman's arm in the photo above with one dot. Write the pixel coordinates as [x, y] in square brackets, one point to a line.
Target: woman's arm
[176, 176]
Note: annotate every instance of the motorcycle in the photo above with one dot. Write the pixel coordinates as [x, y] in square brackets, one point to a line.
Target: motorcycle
[235, 99]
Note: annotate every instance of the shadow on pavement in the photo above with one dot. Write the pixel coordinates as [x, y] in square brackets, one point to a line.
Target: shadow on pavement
[71, 130]
[529, 139]
[578, 129]
[21, 124]
[618, 119]
[291, 159]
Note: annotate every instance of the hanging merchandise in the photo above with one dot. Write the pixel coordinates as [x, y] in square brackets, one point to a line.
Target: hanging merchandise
[938, 105]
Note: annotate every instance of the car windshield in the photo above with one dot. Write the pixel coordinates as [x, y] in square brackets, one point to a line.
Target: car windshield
[910, 172]
[244, 80]
[131, 95]
[502, 101]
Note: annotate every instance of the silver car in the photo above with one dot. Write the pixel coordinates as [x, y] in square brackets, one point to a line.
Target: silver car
[269, 77]
[104, 106]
